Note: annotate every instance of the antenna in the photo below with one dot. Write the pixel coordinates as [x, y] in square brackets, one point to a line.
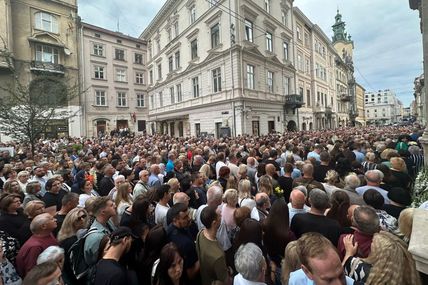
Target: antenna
[118, 25]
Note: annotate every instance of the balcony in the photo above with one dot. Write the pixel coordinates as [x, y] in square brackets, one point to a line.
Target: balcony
[42, 67]
[344, 97]
[294, 101]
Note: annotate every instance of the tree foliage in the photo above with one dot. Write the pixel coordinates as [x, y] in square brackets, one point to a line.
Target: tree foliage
[27, 108]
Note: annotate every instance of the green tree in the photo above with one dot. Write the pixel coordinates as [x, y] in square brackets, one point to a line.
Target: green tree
[26, 109]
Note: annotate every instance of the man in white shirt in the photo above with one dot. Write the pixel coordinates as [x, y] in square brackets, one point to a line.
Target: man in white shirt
[373, 178]
[163, 196]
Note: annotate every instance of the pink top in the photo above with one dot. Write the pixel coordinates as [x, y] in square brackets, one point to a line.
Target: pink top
[227, 216]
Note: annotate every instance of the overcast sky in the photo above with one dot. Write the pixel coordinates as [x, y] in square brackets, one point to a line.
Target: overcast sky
[386, 34]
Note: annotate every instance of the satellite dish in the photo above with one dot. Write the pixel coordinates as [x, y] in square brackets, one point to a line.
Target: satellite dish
[67, 51]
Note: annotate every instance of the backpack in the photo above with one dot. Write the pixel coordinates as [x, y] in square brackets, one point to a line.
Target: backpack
[77, 256]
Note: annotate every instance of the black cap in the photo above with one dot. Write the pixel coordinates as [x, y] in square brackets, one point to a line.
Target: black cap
[400, 195]
[121, 232]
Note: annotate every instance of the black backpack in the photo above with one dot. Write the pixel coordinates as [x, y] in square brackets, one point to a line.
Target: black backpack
[77, 256]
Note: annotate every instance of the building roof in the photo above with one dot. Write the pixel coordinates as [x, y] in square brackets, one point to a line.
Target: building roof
[112, 33]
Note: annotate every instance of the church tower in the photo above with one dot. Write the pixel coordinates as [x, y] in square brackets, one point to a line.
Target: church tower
[341, 40]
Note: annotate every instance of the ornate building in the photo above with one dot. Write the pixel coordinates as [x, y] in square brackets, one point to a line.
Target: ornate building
[43, 39]
[218, 67]
[382, 107]
[114, 75]
[345, 80]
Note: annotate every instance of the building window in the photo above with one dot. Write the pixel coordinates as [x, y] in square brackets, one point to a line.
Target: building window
[139, 78]
[140, 100]
[285, 46]
[159, 71]
[269, 46]
[194, 48]
[152, 101]
[192, 14]
[47, 54]
[100, 98]
[46, 22]
[99, 72]
[177, 59]
[216, 73]
[308, 97]
[179, 94]
[195, 85]
[121, 75]
[248, 30]
[158, 45]
[119, 54]
[160, 99]
[138, 58]
[176, 31]
[171, 63]
[300, 62]
[267, 6]
[250, 77]
[308, 66]
[286, 85]
[151, 76]
[215, 35]
[306, 40]
[270, 81]
[197, 129]
[98, 49]
[284, 18]
[171, 92]
[299, 33]
[121, 99]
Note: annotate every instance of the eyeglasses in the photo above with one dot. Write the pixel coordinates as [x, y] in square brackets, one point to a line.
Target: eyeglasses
[82, 217]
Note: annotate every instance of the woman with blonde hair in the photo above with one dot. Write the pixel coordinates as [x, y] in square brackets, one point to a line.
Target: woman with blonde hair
[244, 190]
[332, 179]
[73, 227]
[399, 172]
[386, 263]
[230, 199]
[32, 209]
[123, 198]
[206, 171]
[291, 261]
[405, 223]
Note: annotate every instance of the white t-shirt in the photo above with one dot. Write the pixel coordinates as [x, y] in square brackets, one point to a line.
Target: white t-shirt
[160, 214]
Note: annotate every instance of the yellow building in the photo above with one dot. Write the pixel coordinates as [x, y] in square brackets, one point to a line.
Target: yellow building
[360, 120]
[42, 37]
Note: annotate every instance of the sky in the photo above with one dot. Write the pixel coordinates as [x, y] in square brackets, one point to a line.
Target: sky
[386, 34]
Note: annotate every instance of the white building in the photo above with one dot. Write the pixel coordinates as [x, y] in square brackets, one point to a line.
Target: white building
[382, 107]
[213, 71]
[114, 77]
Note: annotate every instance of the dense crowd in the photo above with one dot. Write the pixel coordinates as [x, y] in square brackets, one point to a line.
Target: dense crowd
[315, 207]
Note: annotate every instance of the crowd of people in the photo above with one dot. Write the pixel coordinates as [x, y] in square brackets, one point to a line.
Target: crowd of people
[313, 207]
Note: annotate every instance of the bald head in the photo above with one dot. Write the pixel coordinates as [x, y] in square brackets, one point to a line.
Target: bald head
[297, 199]
[251, 161]
[262, 200]
[308, 169]
[181, 197]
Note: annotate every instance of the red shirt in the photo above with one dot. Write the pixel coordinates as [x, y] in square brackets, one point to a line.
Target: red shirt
[27, 255]
[364, 244]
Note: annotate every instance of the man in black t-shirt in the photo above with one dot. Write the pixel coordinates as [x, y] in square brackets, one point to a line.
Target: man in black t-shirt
[315, 221]
[108, 270]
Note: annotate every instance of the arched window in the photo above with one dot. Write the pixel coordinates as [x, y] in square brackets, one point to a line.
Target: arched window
[46, 22]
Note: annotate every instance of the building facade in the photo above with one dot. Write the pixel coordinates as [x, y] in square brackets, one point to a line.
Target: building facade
[42, 37]
[323, 74]
[114, 76]
[360, 120]
[215, 72]
[382, 108]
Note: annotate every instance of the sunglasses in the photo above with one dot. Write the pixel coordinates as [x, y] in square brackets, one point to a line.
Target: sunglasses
[82, 217]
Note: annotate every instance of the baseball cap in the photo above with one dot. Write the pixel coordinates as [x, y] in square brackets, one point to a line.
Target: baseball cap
[120, 233]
